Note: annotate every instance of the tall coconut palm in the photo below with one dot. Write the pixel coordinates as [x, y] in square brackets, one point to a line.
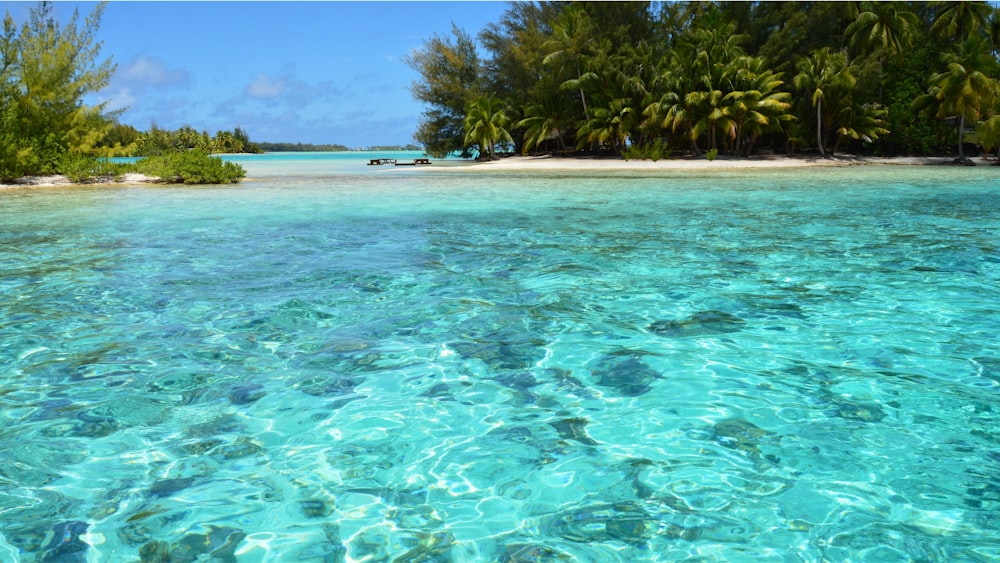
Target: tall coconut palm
[882, 31]
[958, 20]
[966, 89]
[820, 73]
[572, 36]
[485, 125]
[881, 27]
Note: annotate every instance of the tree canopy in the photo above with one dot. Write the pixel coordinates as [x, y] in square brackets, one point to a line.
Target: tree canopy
[47, 70]
[639, 78]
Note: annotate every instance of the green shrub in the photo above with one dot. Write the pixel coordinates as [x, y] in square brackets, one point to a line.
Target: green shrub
[191, 167]
[82, 168]
[650, 151]
[712, 154]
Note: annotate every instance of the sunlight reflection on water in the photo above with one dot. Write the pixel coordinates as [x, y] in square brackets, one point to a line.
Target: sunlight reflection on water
[337, 363]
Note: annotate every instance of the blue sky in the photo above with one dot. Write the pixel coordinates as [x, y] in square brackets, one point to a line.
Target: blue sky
[311, 72]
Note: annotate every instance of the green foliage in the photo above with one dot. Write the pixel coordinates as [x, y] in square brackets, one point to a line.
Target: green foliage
[729, 76]
[712, 154]
[654, 151]
[190, 167]
[300, 147]
[882, 27]
[46, 70]
[81, 168]
[826, 78]
[451, 76]
[159, 141]
[989, 133]
[485, 125]
[966, 89]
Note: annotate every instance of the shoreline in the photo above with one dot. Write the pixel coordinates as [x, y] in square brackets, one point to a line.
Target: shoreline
[579, 164]
[56, 180]
[700, 164]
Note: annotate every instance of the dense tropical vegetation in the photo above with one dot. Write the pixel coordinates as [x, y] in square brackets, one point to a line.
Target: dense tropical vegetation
[645, 80]
[46, 72]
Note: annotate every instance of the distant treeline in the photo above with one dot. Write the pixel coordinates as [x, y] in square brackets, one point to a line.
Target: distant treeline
[125, 140]
[307, 147]
[300, 147]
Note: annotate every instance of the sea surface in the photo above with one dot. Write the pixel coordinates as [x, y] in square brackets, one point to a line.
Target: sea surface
[339, 362]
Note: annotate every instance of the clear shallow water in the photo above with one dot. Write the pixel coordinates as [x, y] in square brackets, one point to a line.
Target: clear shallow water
[345, 364]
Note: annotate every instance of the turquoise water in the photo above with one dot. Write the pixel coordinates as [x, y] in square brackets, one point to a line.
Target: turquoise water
[334, 362]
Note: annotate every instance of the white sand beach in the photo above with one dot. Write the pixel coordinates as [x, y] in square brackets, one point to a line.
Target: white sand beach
[59, 180]
[550, 163]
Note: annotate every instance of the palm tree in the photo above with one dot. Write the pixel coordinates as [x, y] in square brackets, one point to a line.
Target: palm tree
[988, 132]
[701, 68]
[881, 27]
[994, 30]
[755, 105]
[485, 125]
[882, 31]
[668, 112]
[966, 89]
[572, 34]
[862, 123]
[544, 121]
[707, 115]
[619, 85]
[608, 125]
[958, 20]
[822, 72]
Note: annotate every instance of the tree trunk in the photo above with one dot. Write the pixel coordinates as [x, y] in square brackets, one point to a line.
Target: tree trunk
[961, 130]
[583, 97]
[819, 126]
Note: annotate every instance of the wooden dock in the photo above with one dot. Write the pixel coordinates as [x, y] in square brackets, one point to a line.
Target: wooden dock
[397, 162]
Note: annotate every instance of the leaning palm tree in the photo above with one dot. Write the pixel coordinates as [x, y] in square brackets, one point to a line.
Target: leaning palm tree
[485, 125]
[820, 73]
[966, 89]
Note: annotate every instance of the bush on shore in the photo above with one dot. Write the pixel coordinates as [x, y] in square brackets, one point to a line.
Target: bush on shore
[188, 167]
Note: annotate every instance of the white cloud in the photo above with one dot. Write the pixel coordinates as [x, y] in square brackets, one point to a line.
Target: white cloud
[265, 87]
[122, 99]
[147, 71]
